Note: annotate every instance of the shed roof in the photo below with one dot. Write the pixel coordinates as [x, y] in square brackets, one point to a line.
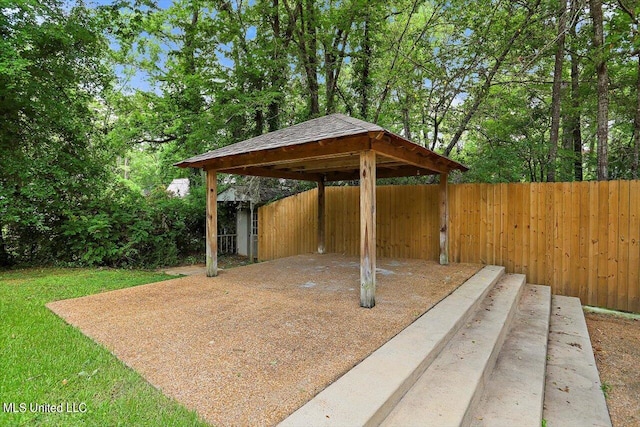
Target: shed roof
[324, 148]
[179, 187]
[264, 193]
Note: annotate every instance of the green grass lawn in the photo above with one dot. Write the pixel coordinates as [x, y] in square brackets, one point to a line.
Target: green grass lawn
[45, 361]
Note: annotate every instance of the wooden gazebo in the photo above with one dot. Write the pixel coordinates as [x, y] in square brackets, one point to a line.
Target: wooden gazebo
[329, 148]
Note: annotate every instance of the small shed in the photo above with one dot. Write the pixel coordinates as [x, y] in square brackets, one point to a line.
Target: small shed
[246, 204]
[330, 148]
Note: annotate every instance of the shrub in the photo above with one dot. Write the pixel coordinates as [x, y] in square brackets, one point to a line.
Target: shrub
[119, 228]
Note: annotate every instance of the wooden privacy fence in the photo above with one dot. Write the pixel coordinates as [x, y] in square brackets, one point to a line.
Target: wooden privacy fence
[581, 238]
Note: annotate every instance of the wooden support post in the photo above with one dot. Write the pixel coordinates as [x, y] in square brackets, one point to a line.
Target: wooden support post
[367, 228]
[212, 224]
[252, 256]
[444, 220]
[321, 216]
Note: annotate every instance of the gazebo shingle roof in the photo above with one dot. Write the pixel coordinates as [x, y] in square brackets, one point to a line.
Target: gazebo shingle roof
[332, 126]
[323, 148]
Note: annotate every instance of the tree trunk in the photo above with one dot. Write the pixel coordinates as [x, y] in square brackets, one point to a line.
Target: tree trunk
[366, 63]
[307, 41]
[406, 120]
[277, 79]
[575, 116]
[556, 97]
[330, 80]
[259, 121]
[312, 58]
[274, 116]
[636, 128]
[4, 255]
[576, 128]
[595, 9]
[436, 131]
[334, 58]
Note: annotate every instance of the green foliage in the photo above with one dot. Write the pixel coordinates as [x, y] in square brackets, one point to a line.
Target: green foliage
[59, 200]
[84, 153]
[44, 360]
[53, 156]
[508, 145]
[127, 229]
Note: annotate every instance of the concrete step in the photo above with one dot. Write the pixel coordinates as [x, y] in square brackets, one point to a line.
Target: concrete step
[514, 393]
[366, 394]
[573, 395]
[448, 391]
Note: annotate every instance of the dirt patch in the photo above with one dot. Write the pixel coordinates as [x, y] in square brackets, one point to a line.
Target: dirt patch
[224, 262]
[255, 343]
[616, 346]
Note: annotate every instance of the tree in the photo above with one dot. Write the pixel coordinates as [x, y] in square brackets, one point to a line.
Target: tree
[574, 126]
[482, 90]
[632, 13]
[508, 139]
[223, 71]
[595, 9]
[556, 94]
[52, 70]
[305, 14]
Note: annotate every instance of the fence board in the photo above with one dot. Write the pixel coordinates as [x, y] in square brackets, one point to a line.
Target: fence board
[594, 243]
[515, 242]
[612, 243]
[582, 239]
[556, 259]
[623, 246]
[603, 234]
[541, 233]
[532, 275]
[565, 239]
[454, 224]
[525, 225]
[504, 224]
[633, 282]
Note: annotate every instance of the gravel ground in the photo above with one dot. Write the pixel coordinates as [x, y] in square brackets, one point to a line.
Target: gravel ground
[616, 346]
[255, 343]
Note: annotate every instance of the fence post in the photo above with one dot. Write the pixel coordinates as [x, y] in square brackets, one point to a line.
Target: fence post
[444, 220]
[251, 254]
[321, 216]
